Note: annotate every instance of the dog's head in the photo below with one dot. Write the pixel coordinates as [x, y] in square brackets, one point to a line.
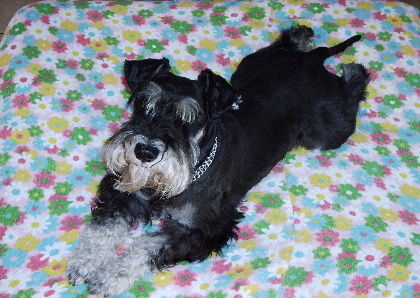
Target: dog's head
[170, 128]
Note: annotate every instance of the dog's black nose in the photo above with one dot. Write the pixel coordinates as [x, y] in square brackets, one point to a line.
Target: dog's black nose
[146, 153]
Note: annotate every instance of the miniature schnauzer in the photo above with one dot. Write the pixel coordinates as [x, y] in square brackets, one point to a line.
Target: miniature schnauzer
[193, 148]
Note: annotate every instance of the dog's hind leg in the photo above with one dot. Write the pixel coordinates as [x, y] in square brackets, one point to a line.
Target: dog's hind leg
[356, 78]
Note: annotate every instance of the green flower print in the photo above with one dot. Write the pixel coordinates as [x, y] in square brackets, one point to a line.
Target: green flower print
[87, 64]
[260, 226]
[401, 144]
[181, 27]
[349, 191]
[8, 89]
[154, 45]
[410, 161]
[401, 255]
[272, 201]
[378, 281]
[260, 263]
[63, 188]
[4, 158]
[112, 113]
[218, 20]
[347, 265]
[315, 8]
[376, 66]
[145, 13]
[413, 79]
[36, 194]
[414, 125]
[416, 239]
[294, 277]
[257, 13]
[142, 289]
[330, 27]
[218, 294]
[392, 101]
[73, 95]
[219, 9]
[382, 150]
[45, 8]
[298, 190]
[374, 169]
[59, 207]
[9, 74]
[112, 41]
[80, 135]
[3, 249]
[376, 223]
[95, 167]
[321, 253]
[31, 52]
[198, 13]
[47, 76]
[35, 131]
[17, 29]
[9, 215]
[24, 293]
[384, 36]
[350, 245]
[275, 5]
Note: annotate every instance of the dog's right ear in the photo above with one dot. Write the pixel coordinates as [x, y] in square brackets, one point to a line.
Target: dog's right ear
[139, 72]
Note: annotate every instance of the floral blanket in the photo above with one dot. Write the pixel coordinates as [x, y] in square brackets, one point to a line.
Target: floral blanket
[339, 223]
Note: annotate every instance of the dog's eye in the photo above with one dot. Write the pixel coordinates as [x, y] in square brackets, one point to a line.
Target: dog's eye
[187, 109]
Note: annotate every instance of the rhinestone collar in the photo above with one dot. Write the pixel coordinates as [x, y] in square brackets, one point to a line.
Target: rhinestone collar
[206, 163]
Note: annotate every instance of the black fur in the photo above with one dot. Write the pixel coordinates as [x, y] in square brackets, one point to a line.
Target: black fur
[287, 99]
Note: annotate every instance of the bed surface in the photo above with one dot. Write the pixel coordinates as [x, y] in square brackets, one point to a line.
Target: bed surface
[341, 223]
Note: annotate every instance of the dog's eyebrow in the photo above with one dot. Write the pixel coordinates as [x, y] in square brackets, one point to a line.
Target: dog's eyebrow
[153, 93]
[187, 109]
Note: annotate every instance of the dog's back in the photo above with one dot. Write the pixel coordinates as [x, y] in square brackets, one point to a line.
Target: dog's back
[317, 108]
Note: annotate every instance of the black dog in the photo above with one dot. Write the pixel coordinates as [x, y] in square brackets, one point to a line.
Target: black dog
[193, 148]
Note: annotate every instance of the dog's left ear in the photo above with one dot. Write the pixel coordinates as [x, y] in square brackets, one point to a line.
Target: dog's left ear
[218, 94]
[139, 72]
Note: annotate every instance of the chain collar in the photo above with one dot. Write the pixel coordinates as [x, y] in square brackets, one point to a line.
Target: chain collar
[206, 163]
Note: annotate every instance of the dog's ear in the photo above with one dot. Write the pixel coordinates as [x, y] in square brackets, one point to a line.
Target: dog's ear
[139, 72]
[218, 94]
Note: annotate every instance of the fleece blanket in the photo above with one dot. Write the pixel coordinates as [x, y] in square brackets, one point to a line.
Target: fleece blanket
[340, 223]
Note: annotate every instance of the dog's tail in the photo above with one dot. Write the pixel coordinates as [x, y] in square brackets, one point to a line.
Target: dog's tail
[323, 53]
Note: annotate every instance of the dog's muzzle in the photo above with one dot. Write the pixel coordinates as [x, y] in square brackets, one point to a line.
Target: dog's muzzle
[146, 153]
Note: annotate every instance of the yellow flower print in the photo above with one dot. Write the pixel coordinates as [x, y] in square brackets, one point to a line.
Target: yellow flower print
[208, 44]
[388, 214]
[303, 236]
[163, 278]
[47, 89]
[410, 191]
[389, 127]
[43, 44]
[119, 9]
[98, 25]
[34, 68]
[111, 79]
[395, 20]
[183, 65]
[20, 137]
[248, 244]
[5, 59]
[55, 268]
[98, 45]
[57, 124]
[359, 137]
[295, 2]
[257, 24]
[69, 25]
[384, 245]
[131, 35]
[23, 112]
[398, 273]
[342, 223]
[320, 180]
[240, 271]
[365, 5]
[276, 216]
[22, 175]
[93, 187]
[286, 253]
[27, 243]
[70, 236]
[63, 168]
[347, 59]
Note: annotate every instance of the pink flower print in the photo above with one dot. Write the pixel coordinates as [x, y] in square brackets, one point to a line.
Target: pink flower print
[37, 262]
[72, 64]
[237, 284]
[94, 15]
[232, 32]
[408, 217]
[20, 101]
[327, 237]
[67, 105]
[356, 159]
[380, 138]
[385, 262]
[98, 104]
[400, 72]
[357, 23]
[71, 222]
[246, 232]
[198, 66]
[3, 272]
[345, 254]
[59, 47]
[5, 132]
[184, 278]
[221, 266]
[44, 180]
[361, 285]
[83, 40]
